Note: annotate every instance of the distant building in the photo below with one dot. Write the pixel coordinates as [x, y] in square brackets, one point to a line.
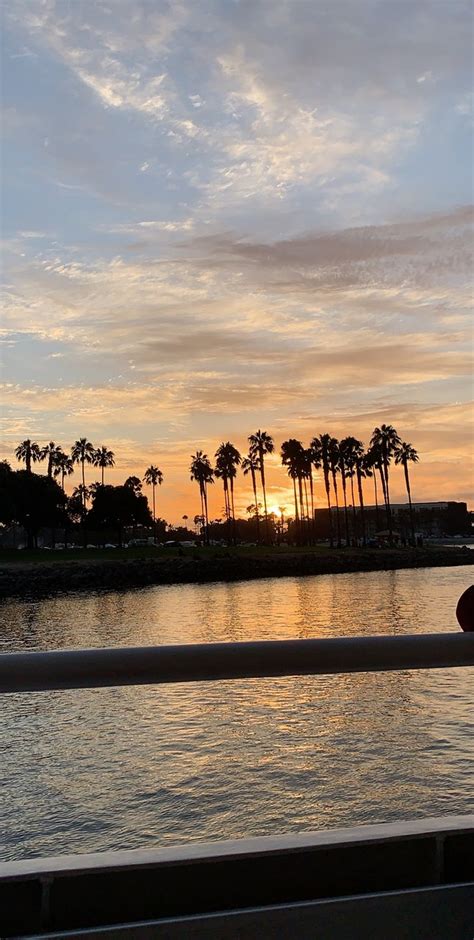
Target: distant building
[432, 520]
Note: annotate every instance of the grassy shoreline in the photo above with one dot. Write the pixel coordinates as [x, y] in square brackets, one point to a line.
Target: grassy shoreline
[33, 575]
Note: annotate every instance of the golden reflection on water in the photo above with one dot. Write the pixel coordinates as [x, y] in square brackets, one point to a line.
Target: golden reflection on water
[127, 767]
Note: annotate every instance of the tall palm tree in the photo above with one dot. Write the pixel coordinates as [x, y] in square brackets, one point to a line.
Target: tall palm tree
[260, 444]
[293, 457]
[250, 464]
[387, 440]
[345, 471]
[51, 453]
[202, 472]
[103, 457]
[82, 452]
[153, 477]
[372, 463]
[334, 465]
[405, 454]
[63, 466]
[351, 452]
[320, 456]
[29, 452]
[228, 459]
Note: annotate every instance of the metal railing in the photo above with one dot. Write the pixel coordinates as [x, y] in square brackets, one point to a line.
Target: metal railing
[94, 668]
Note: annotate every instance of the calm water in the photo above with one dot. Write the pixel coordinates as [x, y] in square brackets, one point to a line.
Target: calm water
[116, 768]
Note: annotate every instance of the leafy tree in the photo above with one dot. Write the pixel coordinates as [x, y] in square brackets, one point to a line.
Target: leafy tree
[135, 484]
[35, 502]
[117, 507]
[103, 457]
[405, 454]
[29, 452]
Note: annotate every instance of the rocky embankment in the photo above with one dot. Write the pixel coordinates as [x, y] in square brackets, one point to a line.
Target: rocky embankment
[58, 577]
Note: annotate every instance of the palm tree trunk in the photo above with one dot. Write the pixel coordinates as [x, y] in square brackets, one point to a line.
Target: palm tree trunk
[328, 497]
[262, 476]
[83, 483]
[377, 518]
[407, 482]
[297, 518]
[361, 503]
[354, 512]
[103, 468]
[311, 490]
[300, 488]
[338, 521]
[234, 534]
[154, 513]
[346, 516]
[387, 498]
[255, 496]
[206, 513]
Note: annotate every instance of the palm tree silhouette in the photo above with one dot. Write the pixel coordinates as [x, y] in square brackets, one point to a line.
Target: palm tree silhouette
[334, 466]
[228, 459]
[386, 440]
[293, 457]
[153, 477]
[250, 464]
[320, 453]
[51, 453]
[63, 466]
[28, 452]
[405, 454]
[103, 457]
[260, 444]
[82, 452]
[351, 454]
[201, 471]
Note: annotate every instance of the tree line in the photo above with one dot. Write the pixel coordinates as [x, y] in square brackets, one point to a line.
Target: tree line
[345, 465]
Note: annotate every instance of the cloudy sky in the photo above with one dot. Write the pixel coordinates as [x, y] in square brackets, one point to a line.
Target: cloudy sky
[225, 215]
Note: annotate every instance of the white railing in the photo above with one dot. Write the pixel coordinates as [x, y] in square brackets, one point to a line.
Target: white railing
[93, 668]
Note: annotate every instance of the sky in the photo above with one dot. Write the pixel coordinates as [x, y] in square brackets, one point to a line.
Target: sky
[220, 216]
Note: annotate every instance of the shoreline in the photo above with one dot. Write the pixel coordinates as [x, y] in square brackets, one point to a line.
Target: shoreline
[49, 578]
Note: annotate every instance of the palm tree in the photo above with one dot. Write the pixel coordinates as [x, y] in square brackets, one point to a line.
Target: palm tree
[51, 453]
[228, 459]
[250, 464]
[351, 453]
[260, 444]
[320, 457]
[63, 465]
[29, 452]
[345, 469]
[82, 452]
[405, 454]
[103, 457]
[334, 466]
[293, 457]
[202, 472]
[387, 440]
[153, 477]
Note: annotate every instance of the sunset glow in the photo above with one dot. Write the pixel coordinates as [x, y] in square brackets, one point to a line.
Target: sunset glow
[266, 226]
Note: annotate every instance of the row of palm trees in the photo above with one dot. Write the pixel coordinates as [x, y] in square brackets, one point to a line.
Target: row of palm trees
[343, 462]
